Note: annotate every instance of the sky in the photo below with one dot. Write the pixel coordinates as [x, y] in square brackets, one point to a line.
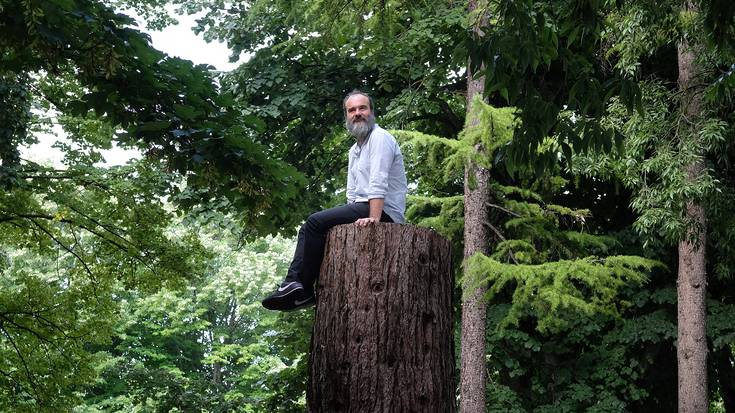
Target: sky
[178, 41]
[181, 41]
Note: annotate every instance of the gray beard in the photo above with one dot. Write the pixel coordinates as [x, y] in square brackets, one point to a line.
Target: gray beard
[361, 130]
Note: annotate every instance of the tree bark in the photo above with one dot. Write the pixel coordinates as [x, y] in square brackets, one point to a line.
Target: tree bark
[383, 334]
[473, 373]
[692, 275]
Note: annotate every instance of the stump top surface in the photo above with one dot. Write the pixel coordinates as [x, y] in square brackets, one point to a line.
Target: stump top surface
[388, 227]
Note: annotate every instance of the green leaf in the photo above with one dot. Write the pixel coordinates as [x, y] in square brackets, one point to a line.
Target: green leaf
[154, 126]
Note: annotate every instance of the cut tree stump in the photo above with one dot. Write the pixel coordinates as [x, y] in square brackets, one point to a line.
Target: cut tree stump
[383, 334]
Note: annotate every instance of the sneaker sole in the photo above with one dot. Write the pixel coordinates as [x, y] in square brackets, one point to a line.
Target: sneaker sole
[307, 304]
[279, 304]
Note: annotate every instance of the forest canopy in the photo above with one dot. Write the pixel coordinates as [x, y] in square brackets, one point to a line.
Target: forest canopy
[136, 287]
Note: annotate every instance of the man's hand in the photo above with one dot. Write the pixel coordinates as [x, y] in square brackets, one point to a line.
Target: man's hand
[376, 210]
[363, 222]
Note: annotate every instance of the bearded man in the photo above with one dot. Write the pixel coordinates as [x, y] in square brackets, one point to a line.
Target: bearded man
[376, 191]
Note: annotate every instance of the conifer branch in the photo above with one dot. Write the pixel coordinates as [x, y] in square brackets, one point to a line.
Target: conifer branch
[502, 238]
[508, 211]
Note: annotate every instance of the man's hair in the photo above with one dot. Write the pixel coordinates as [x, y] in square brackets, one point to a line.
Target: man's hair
[353, 93]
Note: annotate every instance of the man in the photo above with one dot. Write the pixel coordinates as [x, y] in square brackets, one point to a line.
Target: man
[376, 191]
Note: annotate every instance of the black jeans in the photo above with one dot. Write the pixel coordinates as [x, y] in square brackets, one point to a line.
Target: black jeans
[307, 259]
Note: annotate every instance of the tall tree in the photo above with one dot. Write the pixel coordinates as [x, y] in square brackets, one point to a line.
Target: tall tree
[473, 373]
[692, 271]
[544, 73]
[688, 177]
[556, 291]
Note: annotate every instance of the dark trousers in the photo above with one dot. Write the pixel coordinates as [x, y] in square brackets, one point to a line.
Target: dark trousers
[309, 253]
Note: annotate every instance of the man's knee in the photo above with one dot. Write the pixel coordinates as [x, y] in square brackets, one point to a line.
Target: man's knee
[322, 221]
[314, 222]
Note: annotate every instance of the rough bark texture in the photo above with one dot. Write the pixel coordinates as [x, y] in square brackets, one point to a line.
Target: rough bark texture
[692, 275]
[473, 376]
[383, 335]
[472, 355]
[692, 313]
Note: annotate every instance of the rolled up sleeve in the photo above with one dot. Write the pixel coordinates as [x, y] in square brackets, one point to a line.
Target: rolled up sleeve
[351, 181]
[381, 159]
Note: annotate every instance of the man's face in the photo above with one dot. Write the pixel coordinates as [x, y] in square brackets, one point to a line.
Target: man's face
[359, 119]
[357, 108]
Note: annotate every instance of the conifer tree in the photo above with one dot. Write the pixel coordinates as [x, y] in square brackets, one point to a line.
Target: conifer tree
[562, 277]
[473, 376]
[692, 271]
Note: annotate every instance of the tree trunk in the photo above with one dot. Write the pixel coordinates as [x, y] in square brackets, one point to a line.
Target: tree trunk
[692, 313]
[692, 276]
[476, 194]
[383, 334]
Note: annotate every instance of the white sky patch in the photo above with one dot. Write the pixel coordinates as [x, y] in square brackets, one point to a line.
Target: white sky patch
[45, 154]
[42, 152]
[180, 41]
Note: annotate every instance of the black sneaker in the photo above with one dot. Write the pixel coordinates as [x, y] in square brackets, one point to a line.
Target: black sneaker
[288, 297]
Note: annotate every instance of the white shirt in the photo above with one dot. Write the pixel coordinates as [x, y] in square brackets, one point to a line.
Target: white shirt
[375, 170]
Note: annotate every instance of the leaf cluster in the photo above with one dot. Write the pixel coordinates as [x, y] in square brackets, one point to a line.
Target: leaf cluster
[657, 153]
[210, 344]
[165, 106]
[543, 58]
[609, 358]
[70, 240]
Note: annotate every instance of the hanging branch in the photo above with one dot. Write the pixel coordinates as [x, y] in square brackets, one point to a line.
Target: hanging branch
[69, 250]
[502, 238]
[30, 376]
[508, 211]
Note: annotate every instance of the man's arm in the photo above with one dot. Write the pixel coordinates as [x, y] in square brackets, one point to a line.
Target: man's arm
[350, 179]
[381, 158]
[376, 211]
[376, 208]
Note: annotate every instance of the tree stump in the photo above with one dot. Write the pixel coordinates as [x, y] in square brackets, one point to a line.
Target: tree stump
[383, 333]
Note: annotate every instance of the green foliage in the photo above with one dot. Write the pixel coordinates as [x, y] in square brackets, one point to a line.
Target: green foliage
[111, 303]
[557, 286]
[164, 106]
[71, 238]
[436, 166]
[208, 346]
[555, 291]
[543, 58]
[16, 103]
[443, 214]
[47, 317]
[662, 143]
[590, 360]
[656, 156]
[719, 323]
[487, 129]
[426, 154]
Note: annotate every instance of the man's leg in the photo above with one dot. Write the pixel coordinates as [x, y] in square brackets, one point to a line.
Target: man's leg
[309, 253]
[316, 228]
[298, 259]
